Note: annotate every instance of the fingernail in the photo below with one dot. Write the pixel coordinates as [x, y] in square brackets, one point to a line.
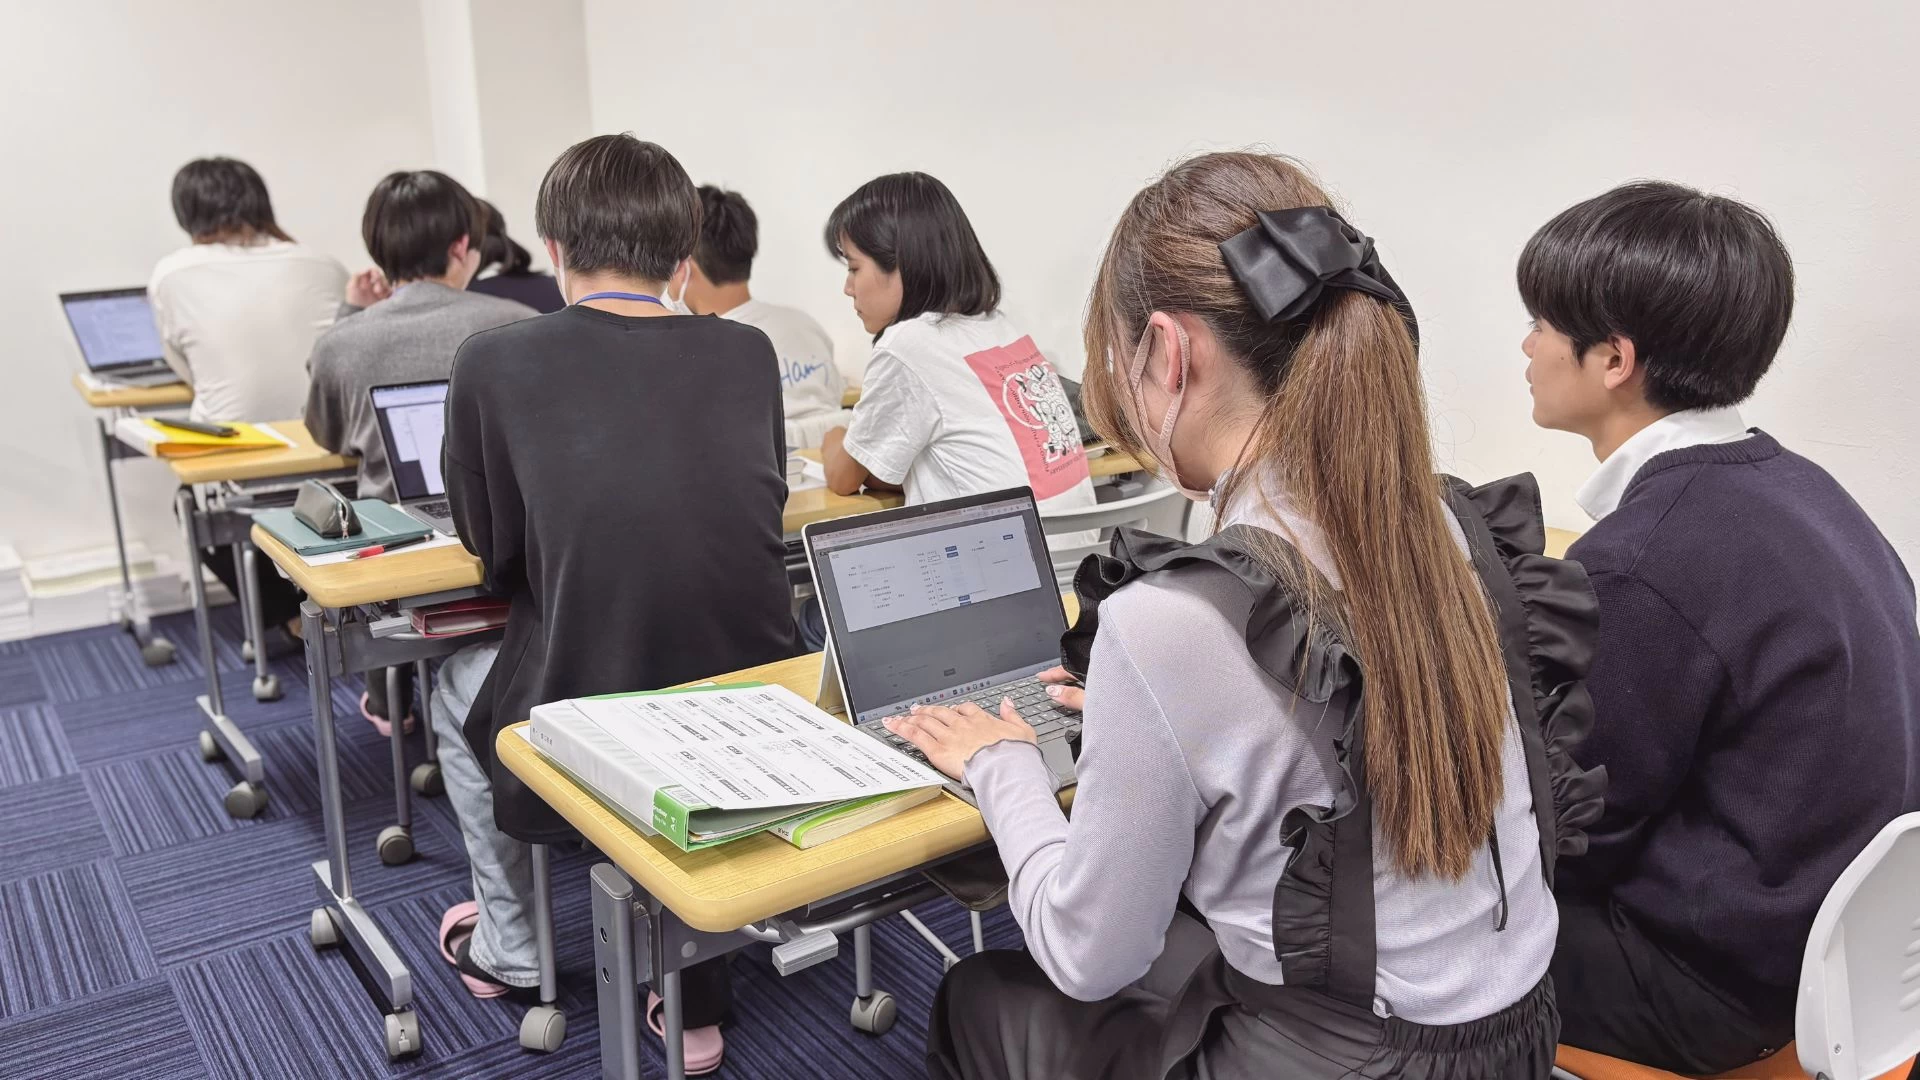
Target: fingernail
[1005, 702]
[1054, 691]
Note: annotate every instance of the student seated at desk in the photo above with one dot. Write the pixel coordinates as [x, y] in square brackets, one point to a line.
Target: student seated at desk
[238, 311]
[810, 385]
[420, 228]
[956, 400]
[1757, 682]
[619, 470]
[507, 269]
[1360, 838]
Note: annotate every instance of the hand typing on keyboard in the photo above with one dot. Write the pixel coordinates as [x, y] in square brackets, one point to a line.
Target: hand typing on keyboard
[950, 737]
[1061, 688]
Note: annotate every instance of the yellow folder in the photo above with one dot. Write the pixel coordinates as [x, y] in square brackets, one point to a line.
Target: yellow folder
[174, 443]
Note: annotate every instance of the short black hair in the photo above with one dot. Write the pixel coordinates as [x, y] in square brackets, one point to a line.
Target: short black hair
[617, 203]
[221, 198]
[1700, 283]
[412, 218]
[729, 236]
[499, 249]
[910, 222]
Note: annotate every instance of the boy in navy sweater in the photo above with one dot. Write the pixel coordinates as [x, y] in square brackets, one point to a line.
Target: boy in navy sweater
[1757, 679]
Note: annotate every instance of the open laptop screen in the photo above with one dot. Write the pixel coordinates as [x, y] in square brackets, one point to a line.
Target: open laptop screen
[114, 328]
[413, 423]
[936, 602]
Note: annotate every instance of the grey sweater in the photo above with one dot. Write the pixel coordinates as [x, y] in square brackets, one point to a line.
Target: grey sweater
[1190, 758]
[409, 337]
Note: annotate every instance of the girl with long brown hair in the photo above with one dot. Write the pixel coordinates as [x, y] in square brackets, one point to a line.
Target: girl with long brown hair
[1314, 829]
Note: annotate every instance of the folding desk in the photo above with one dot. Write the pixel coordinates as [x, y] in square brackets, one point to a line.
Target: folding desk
[217, 498]
[109, 406]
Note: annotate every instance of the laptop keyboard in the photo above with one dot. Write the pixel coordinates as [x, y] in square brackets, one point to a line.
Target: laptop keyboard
[1030, 700]
[436, 508]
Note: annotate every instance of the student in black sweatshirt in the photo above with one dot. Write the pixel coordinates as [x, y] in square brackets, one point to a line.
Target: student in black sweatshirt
[619, 469]
[1757, 682]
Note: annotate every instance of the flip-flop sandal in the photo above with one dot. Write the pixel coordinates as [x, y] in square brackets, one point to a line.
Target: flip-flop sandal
[458, 923]
[703, 1048]
[381, 724]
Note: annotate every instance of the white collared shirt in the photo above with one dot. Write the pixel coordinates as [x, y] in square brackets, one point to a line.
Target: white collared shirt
[1602, 492]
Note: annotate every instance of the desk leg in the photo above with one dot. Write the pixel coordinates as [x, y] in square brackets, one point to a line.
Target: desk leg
[396, 841]
[617, 982]
[666, 979]
[220, 740]
[426, 777]
[154, 651]
[544, 1026]
[340, 920]
[266, 685]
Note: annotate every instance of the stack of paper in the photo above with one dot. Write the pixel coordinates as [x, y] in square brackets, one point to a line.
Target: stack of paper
[75, 590]
[713, 764]
[15, 611]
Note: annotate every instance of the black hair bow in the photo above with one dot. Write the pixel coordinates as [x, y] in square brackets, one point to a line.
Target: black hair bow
[1289, 260]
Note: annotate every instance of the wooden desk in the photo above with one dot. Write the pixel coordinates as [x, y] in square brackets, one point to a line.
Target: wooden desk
[303, 458]
[850, 397]
[1558, 541]
[370, 581]
[133, 397]
[1112, 463]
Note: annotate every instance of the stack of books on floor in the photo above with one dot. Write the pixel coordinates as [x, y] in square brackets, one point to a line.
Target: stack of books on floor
[714, 764]
[16, 619]
[75, 590]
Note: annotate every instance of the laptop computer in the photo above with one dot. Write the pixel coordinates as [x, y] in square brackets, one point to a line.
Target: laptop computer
[413, 423]
[940, 604]
[117, 336]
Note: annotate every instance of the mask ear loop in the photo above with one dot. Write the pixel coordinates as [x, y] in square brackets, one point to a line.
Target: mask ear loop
[1136, 378]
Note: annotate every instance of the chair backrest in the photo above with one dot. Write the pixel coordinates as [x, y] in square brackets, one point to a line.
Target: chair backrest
[1160, 509]
[1858, 1014]
[807, 431]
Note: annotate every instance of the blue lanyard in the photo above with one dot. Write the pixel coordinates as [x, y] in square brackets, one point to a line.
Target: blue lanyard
[642, 297]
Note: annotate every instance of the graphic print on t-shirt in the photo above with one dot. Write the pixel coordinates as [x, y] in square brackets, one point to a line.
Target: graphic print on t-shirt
[1033, 403]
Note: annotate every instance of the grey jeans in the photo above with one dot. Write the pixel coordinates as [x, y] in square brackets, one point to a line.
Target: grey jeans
[503, 942]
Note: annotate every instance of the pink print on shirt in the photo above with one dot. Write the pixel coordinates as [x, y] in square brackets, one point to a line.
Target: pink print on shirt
[1034, 404]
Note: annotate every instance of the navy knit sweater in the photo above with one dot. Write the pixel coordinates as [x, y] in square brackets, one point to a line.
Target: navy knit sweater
[1757, 707]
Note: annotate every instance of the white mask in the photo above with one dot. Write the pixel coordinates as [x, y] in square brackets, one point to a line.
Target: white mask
[676, 304]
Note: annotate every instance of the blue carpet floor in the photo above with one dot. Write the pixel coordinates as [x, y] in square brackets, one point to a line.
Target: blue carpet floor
[143, 932]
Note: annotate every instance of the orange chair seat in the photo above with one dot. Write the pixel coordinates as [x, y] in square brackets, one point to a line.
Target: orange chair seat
[1784, 1065]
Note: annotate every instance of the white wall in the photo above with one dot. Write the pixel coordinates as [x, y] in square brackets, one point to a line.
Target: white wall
[1451, 130]
[99, 103]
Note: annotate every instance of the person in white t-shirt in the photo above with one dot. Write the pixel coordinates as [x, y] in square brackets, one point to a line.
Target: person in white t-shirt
[956, 399]
[810, 385]
[239, 309]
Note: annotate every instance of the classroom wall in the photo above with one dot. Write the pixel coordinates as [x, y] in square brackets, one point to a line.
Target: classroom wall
[99, 103]
[1451, 130]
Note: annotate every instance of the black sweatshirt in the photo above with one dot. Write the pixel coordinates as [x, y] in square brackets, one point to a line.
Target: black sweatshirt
[1757, 706]
[623, 481]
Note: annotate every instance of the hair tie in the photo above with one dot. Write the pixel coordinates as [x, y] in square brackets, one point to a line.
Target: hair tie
[1288, 261]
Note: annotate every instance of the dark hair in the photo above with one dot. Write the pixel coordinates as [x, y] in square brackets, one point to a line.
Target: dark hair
[412, 218]
[497, 248]
[1700, 283]
[910, 222]
[219, 198]
[614, 202]
[729, 236]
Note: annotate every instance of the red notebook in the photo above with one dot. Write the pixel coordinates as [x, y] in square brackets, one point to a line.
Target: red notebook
[460, 617]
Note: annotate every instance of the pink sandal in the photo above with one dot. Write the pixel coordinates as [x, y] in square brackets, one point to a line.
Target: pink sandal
[701, 1047]
[381, 724]
[458, 922]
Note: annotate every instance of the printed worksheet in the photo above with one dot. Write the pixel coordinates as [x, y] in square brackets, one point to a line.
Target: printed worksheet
[739, 749]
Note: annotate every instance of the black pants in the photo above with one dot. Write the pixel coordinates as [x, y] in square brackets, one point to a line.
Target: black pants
[706, 994]
[1624, 996]
[279, 598]
[377, 692]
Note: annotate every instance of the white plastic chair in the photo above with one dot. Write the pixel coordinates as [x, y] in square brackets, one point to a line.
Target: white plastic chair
[1160, 509]
[1859, 1009]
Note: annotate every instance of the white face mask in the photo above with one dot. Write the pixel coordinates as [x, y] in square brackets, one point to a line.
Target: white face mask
[676, 304]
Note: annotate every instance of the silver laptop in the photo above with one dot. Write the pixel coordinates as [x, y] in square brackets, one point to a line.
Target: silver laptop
[940, 604]
[413, 424]
[118, 339]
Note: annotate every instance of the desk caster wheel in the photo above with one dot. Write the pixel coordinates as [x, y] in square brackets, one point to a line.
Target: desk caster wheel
[157, 653]
[246, 651]
[245, 799]
[874, 1014]
[543, 1029]
[426, 780]
[321, 931]
[266, 688]
[209, 749]
[403, 1034]
[396, 845]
